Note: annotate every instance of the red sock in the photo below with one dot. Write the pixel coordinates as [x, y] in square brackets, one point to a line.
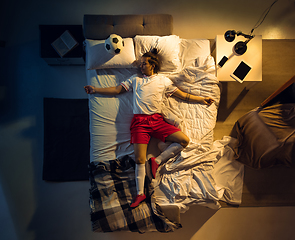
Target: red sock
[154, 166]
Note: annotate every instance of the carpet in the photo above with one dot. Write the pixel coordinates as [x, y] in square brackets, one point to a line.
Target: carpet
[66, 139]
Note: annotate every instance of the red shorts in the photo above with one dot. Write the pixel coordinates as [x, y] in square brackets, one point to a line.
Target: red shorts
[143, 127]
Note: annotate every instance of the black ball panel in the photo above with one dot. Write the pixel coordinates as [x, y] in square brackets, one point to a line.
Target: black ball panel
[115, 40]
[117, 50]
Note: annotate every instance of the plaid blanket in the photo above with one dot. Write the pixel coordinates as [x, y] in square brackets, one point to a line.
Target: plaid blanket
[111, 192]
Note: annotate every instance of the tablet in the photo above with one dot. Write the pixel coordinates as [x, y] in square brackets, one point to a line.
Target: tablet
[241, 72]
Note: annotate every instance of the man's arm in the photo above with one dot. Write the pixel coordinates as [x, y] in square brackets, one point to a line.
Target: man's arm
[105, 91]
[193, 98]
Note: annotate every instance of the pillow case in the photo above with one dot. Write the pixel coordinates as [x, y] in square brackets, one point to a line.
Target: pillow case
[168, 49]
[97, 56]
[192, 50]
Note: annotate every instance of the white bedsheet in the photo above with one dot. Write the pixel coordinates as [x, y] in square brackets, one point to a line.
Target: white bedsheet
[110, 117]
[203, 178]
[203, 173]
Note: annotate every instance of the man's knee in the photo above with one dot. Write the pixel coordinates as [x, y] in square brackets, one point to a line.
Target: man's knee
[178, 137]
[184, 142]
[140, 160]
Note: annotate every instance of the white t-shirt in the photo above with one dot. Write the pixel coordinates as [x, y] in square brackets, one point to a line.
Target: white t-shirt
[148, 92]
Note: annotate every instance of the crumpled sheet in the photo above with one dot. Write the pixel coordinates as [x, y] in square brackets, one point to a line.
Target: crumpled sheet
[204, 172]
[204, 178]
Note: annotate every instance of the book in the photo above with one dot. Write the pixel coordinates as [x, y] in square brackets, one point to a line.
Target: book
[65, 43]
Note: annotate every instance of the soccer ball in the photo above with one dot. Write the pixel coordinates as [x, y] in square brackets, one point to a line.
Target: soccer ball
[114, 44]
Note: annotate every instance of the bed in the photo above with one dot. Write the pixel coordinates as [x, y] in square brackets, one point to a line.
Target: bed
[203, 173]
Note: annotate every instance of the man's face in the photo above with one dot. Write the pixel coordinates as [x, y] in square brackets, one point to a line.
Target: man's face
[145, 67]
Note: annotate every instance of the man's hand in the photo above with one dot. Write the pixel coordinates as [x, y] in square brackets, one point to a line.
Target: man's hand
[89, 89]
[193, 98]
[208, 100]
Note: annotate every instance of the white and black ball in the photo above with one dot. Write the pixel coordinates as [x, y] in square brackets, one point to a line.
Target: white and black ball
[114, 44]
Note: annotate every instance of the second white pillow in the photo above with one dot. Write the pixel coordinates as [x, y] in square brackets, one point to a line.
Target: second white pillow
[98, 58]
[168, 49]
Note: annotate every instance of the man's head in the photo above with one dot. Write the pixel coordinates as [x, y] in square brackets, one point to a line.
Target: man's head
[150, 63]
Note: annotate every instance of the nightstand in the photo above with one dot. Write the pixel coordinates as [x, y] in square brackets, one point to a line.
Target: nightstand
[252, 57]
[49, 33]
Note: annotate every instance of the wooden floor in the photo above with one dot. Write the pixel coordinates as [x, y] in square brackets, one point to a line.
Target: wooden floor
[278, 59]
[267, 187]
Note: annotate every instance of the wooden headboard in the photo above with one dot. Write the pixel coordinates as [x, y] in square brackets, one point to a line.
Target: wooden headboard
[99, 27]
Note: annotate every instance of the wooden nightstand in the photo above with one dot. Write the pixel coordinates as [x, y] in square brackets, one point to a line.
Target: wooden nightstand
[49, 33]
[253, 57]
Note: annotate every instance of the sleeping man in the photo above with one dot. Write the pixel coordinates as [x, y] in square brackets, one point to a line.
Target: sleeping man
[148, 90]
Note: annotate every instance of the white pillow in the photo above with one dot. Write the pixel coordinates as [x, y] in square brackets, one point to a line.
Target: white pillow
[168, 49]
[192, 50]
[97, 56]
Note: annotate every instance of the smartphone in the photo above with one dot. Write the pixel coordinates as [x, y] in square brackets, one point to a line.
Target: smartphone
[222, 61]
[241, 72]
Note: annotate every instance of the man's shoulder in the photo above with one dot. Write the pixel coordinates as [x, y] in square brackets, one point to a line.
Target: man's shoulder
[165, 79]
[136, 76]
[131, 78]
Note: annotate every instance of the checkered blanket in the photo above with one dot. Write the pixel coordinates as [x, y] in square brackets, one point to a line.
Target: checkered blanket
[111, 193]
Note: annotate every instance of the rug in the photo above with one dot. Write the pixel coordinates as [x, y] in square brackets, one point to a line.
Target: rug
[66, 139]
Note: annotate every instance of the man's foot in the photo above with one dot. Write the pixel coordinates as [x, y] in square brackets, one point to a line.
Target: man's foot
[138, 200]
[154, 166]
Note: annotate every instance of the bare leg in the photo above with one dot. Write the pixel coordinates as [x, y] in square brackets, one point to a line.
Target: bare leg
[178, 137]
[140, 152]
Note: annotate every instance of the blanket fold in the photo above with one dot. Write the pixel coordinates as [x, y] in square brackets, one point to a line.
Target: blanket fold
[111, 192]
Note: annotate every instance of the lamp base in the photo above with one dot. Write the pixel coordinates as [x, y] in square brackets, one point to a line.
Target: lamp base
[240, 48]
